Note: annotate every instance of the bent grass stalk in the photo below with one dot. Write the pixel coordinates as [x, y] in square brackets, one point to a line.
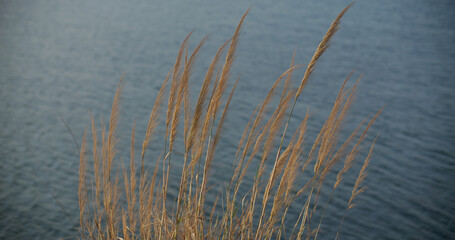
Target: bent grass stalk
[141, 210]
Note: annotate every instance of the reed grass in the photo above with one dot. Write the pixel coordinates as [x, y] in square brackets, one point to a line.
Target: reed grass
[141, 209]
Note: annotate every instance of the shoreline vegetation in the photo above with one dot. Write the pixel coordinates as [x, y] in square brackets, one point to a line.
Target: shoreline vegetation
[132, 202]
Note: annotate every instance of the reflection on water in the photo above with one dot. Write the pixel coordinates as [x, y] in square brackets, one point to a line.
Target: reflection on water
[59, 59]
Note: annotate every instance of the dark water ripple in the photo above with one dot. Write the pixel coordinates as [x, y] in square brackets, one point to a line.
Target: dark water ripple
[59, 59]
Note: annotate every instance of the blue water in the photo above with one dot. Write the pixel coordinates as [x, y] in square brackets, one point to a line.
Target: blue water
[59, 59]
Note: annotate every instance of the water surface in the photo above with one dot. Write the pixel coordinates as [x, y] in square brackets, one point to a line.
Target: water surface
[60, 59]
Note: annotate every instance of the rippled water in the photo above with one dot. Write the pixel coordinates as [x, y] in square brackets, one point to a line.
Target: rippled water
[60, 59]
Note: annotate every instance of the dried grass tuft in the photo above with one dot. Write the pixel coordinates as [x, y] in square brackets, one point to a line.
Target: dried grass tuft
[141, 209]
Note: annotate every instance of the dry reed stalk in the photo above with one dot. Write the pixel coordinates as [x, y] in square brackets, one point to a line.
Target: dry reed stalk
[357, 189]
[174, 83]
[283, 196]
[323, 46]
[183, 96]
[98, 212]
[279, 113]
[170, 115]
[213, 146]
[130, 187]
[153, 119]
[112, 138]
[82, 193]
[126, 234]
[349, 159]
[96, 168]
[110, 189]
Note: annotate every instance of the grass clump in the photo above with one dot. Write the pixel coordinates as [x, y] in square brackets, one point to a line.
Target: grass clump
[135, 204]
